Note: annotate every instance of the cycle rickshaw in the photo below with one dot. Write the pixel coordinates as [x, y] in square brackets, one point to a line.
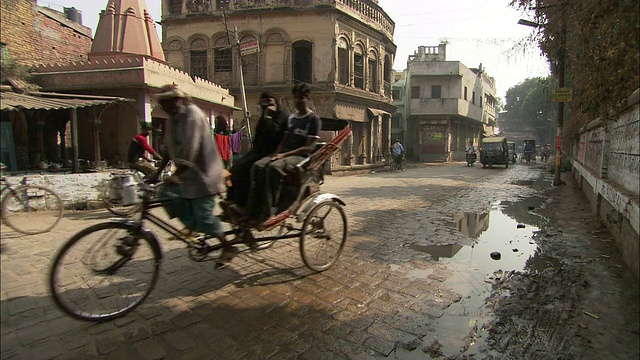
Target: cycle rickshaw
[107, 270]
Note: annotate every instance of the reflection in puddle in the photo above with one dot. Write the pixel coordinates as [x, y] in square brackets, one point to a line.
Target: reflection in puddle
[438, 251]
[474, 270]
[471, 224]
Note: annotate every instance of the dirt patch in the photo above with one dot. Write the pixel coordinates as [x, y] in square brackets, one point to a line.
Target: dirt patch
[585, 307]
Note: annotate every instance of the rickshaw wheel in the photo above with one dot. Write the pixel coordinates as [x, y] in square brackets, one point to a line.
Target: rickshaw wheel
[323, 235]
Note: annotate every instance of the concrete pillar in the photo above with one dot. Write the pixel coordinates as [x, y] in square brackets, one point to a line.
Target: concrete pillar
[144, 112]
[74, 139]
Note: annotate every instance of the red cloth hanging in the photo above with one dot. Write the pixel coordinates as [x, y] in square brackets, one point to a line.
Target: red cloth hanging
[223, 146]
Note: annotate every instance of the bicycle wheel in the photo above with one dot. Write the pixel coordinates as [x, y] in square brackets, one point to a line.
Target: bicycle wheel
[32, 209]
[112, 199]
[324, 233]
[104, 272]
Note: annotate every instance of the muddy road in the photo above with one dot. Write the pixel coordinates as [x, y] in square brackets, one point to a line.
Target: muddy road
[524, 270]
[442, 261]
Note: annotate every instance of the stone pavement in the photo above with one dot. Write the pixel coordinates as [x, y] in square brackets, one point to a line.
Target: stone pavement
[267, 304]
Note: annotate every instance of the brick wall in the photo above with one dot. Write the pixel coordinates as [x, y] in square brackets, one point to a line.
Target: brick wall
[18, 31]
[35, 35]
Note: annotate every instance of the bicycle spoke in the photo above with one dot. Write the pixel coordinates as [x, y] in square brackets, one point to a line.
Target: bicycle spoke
[98, 276]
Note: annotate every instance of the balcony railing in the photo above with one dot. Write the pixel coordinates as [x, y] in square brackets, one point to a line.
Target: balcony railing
[445, 106]
[369, 13]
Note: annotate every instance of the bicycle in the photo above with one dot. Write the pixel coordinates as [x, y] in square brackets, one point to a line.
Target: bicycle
[396, 163]
[107, 270]
[29, 209]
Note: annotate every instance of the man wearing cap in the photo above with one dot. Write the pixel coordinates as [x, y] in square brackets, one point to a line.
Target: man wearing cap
[199, 168]
[138, 148]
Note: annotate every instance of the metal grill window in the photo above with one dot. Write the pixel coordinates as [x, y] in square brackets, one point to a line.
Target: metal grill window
[223, 61]
[199, 64]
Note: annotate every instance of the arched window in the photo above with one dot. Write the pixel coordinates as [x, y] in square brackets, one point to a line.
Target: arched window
[249, 63]
[274, 58]
[387, 75]
[358, 68]
[198, 59]
[372, 78]
[387, 68]
[199, 64]
[302, 61]
[343, 62]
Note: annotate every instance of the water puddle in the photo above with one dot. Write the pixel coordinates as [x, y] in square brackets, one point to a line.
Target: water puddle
[506, 233]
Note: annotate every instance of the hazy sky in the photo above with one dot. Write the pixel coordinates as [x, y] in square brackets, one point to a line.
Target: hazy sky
[477, 32]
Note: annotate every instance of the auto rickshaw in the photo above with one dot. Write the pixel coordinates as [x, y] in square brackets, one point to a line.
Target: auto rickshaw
[512, 151]
[494, 151]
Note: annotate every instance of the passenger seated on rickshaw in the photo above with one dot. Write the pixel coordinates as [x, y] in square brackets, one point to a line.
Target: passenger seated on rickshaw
[269, 133]
[267, 174]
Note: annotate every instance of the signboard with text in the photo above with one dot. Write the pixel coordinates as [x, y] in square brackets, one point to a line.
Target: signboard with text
[250, 47]
[561, 94]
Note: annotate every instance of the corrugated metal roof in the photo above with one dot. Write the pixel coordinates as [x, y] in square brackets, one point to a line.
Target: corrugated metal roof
[53, 101]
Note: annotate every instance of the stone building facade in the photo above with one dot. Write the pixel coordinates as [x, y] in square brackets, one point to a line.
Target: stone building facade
[33, 35]
[343, 48]
[445, 105]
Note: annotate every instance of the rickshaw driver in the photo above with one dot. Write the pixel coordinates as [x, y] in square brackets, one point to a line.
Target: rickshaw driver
[298, 142]
[199, 168]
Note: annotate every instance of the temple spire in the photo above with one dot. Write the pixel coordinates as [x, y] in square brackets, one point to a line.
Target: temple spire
[125, 27]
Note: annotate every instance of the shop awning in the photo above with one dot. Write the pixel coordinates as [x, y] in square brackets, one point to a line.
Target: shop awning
[10, 100]
[350, 112]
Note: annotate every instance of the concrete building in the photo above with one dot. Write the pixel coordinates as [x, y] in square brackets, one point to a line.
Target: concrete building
[343, 48]
[445, 105]
[398, 123]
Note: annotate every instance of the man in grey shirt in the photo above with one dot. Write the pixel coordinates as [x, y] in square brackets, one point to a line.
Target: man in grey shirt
[199, 168]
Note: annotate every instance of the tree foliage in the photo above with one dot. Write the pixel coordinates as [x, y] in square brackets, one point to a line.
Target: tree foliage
[599, 42]
[528, 108]
[19, 73]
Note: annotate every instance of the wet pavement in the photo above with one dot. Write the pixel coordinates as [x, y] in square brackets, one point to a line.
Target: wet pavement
[412, 282]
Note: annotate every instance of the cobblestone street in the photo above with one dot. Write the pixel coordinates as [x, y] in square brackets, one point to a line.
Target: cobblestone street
[267, 304]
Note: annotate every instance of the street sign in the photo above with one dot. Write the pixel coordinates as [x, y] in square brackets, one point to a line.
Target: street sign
[250, 47]
[561, 94]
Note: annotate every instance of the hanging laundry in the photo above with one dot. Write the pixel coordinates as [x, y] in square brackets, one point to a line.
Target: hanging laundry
[236, 142]
[223, 146]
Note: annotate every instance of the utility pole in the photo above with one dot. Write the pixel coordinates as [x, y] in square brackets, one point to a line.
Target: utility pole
[236, 45]
[245, 112]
